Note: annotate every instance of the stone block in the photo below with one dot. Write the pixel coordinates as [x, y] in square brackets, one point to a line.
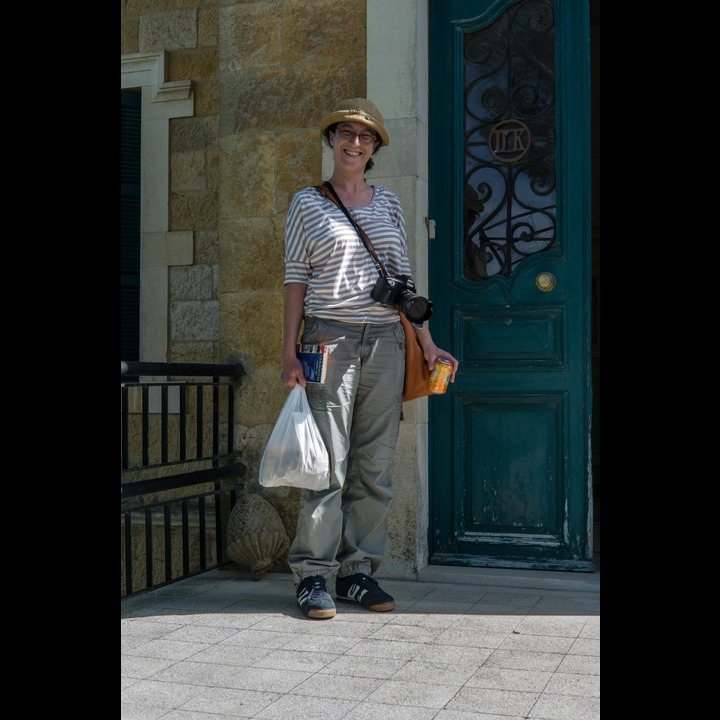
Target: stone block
[139, 7]
[129, 35]
[202, 351]
[251, 255]
[193, 210]
[191, 282]
[250, 35]
[167, 30]
[212, 169]
[252, 328]
[282, 98]
[263, 397]
[315, 30]
[195, 63]
[208, 28]
[207, 98]
[193, 134]
[207, 250]
[247, 176]
[187, 171]
[194, 320]
[298, 164]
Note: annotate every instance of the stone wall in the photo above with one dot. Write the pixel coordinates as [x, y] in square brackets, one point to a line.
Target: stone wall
[263, 75]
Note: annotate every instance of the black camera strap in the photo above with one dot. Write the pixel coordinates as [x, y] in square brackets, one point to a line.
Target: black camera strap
[328, 191]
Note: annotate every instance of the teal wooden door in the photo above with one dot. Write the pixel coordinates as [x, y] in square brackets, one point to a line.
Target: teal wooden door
[509, 194]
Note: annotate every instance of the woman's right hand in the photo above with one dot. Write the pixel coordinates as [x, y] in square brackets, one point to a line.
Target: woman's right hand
[293, 373]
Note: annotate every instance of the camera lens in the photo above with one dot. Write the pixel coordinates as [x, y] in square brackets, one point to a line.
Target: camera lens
[417, 308]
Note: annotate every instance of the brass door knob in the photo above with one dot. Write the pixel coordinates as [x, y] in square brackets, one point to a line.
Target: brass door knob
[545, 282]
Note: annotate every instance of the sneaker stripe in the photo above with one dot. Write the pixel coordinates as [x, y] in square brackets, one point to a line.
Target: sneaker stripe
[366, 591]
[313, 598]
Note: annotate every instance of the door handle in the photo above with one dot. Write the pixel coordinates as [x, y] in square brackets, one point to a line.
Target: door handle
[545, 282]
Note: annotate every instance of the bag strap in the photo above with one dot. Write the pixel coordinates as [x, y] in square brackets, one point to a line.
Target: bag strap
[328, 191]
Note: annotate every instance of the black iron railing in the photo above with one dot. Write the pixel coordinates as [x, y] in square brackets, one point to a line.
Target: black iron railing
[180, 471]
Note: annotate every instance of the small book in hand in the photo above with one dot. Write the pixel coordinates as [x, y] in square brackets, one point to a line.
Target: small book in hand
[314, 361]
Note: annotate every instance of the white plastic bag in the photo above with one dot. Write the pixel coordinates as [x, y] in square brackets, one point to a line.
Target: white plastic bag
[295, 454]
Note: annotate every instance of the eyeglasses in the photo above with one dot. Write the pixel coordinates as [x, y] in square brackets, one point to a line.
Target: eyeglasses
[365, 137]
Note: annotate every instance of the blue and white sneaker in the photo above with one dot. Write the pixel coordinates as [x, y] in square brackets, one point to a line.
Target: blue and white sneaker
[313, 598]
[362, 589]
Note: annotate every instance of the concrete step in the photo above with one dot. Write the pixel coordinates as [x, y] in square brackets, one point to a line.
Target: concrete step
[525, 579]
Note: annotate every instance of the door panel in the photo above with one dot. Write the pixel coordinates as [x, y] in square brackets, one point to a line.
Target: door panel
[510, 482]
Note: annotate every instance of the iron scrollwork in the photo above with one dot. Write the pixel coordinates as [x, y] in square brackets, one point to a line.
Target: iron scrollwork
[509, 195]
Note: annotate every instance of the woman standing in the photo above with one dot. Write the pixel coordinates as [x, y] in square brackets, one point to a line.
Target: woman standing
[329, 274]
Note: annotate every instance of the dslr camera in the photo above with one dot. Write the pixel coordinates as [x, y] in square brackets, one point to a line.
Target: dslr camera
[399, 292]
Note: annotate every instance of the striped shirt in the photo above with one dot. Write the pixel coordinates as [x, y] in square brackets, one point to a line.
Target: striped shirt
[324, 251]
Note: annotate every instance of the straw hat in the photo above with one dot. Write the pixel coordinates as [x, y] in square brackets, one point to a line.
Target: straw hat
[357, 110]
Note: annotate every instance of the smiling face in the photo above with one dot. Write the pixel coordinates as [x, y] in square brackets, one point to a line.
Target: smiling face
[353, 143]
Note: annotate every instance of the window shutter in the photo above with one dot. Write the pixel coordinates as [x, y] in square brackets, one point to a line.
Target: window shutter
[130, 115]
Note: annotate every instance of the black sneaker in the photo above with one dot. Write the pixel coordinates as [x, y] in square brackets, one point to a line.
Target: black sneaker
[313, 598]
[364, 590]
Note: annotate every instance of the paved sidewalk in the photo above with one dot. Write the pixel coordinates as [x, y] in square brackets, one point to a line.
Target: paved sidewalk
[221, 646]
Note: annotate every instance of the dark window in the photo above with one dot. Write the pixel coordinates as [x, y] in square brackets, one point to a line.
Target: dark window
[130, 226]
[510, 192]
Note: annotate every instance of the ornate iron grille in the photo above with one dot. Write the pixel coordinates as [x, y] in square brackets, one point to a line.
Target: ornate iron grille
[510, 201]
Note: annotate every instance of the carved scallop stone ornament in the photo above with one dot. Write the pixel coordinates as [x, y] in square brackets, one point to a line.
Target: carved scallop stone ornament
[256, 535]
